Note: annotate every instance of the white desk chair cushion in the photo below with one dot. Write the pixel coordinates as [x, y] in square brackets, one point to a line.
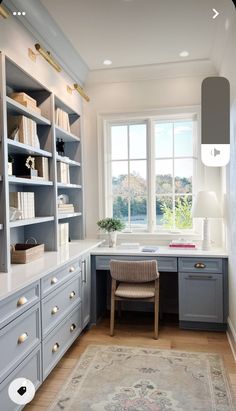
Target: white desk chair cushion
[140, 290]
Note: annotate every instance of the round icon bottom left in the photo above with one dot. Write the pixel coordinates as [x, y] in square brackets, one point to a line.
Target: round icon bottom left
[21, 391]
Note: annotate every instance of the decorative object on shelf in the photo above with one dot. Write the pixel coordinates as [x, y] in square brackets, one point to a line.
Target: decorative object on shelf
[62, 119]
[42, 166]
[63, 199]
[80, 90]
[26, 252]
[206, 205]
[30, 164]
[46, 55]
[60, 146]
[10, 162]
[15, 214]
[111, 226]
[66, 208]
[26, 101]
[63, 234]
[63, 172]
[24, 130]
[24, 203]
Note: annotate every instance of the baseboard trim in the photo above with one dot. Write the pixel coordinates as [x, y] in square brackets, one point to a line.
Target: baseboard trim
[231, 335]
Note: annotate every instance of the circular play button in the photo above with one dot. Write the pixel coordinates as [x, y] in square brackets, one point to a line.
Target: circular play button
[21, 391]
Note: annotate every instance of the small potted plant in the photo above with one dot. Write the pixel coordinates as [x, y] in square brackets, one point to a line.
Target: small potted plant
[111, 226]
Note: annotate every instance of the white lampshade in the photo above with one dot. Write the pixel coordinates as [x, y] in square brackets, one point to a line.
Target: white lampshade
[206, 204]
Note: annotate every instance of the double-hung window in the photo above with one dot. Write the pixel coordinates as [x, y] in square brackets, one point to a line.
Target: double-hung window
[150, 172]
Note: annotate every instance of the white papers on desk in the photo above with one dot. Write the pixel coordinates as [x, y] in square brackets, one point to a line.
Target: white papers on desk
[129, 246]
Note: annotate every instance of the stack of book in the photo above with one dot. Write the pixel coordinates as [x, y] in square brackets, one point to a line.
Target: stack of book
[63, 234]
[63, 173]
[41, 165]
[26, 101]
[24, 130]
[66, 208]
[23, 202]
[62, 119]
[182, 244]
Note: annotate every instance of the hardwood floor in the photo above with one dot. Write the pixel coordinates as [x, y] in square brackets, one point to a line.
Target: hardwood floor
[134, 330]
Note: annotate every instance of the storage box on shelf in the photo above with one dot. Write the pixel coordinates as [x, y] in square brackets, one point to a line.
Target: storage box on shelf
[32, 121]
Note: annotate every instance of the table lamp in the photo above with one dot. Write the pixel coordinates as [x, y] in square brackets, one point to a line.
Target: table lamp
[206, 205]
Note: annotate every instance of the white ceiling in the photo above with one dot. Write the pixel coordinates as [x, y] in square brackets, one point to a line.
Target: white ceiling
[142, 32]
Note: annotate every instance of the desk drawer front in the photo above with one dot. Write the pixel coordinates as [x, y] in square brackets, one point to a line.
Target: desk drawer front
[55, 345]
[18, 303]
[59, 277]
[199, 265]
[59, 303]
[164, 263]
[19, 338]
[31, 369]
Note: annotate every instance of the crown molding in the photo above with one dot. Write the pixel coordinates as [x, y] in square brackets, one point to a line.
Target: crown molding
[47, 32]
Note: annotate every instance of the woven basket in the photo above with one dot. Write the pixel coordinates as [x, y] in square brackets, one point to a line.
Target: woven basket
[27, 252]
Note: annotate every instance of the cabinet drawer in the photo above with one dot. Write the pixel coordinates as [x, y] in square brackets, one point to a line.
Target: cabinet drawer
[18, 339]
[59, 303]
[164, 263]
[59, 277]
[31, 369]
[18, 303]
[198, 265]
[56, 344]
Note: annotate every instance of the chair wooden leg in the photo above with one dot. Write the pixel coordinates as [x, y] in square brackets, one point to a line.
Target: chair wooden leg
[112, 318]
[156, 314]
[119, 309]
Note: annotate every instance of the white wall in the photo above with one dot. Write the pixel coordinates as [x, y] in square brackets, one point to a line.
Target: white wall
[228, 69]
[15, 41]
[128, 96]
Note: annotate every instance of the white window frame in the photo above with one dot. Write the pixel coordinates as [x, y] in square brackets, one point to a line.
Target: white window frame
[104, 173]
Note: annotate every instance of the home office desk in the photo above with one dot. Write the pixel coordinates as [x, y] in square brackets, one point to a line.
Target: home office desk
[202, 282]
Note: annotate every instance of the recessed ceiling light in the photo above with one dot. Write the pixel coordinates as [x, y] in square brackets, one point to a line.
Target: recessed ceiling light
[107, 62]
[184, 53]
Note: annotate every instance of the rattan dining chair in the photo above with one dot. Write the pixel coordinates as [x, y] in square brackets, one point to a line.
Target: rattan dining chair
[134, 280]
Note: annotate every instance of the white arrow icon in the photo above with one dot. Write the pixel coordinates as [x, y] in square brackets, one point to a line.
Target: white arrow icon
[216, 13]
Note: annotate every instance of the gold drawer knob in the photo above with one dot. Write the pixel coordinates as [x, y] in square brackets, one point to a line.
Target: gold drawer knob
[72, 327]
[72, 269]
[55, 347]
[200, 265]
[22, 338]
[55, 310]
[72, 294]
[54, 280]
[21, 301]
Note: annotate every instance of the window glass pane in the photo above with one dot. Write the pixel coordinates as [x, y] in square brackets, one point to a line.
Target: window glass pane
[183, 176]
[183, 139]
[120, 185]
[137, 141]
[119, 142]
[163, 140]
[138, 178]
[183, 207]
[164, 212]
[120, 208]
[164, 176]
[138, 211]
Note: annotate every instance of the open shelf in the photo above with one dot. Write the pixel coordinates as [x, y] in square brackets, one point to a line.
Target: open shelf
[16, 108]
[63, 185]
[15, 147]
[69, 215]
[71, 163]
[65, 135]
[27, 181]
[30, 221]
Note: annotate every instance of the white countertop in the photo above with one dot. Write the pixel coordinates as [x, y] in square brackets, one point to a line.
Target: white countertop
[163, 251]
[22, 275]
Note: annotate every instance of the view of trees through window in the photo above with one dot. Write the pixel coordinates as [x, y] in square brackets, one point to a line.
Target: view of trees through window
[172, 164]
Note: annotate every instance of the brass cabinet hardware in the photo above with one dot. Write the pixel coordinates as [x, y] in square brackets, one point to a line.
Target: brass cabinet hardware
[72, 294]
[54, 280]
[21, 301]
[55, 347]
[72, 327]
[22, 338]
[55, 310]
[200, 265]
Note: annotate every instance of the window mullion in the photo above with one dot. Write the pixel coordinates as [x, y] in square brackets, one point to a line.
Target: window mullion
[173, 170]
[151, 173]
[129, 211]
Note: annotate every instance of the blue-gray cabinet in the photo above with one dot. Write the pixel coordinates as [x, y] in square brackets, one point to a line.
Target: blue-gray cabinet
[86, 289]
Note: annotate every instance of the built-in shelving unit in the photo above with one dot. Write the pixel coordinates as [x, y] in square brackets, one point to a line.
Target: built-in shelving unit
[44, 226]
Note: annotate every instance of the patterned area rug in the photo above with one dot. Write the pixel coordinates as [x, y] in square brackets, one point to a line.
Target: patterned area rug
[116, 378]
